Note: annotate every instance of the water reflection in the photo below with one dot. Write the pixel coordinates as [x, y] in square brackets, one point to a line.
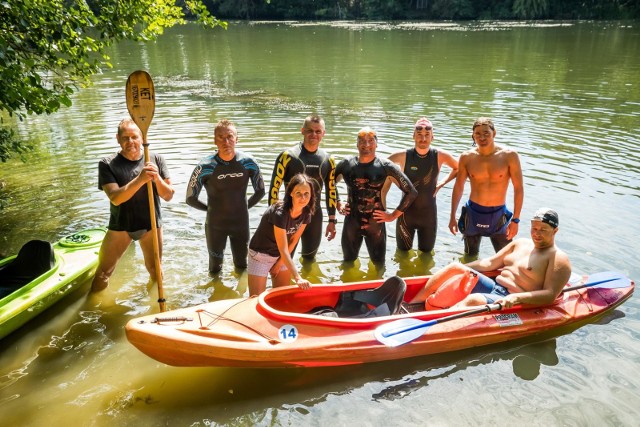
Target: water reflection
[572, 118]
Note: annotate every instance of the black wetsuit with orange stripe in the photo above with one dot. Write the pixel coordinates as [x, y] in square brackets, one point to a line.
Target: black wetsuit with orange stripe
[364, 184]
[319, 166]
[422, 215]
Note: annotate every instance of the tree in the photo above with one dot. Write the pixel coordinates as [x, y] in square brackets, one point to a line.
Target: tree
[49, 48]
[530, 9]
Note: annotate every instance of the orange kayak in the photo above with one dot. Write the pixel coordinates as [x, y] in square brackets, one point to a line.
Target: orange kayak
[288, 327]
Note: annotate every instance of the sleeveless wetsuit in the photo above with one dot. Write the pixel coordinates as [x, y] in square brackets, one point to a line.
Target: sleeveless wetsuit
[490, 221]
[318, 165]
[364, 183]
[133, 215]
[422, 215]
[227, 206]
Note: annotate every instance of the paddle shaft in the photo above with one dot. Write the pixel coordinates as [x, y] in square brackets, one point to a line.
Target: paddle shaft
[587, 285]
[140, 95]
[487, 308]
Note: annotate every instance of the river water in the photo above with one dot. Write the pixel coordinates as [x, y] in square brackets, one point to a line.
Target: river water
[566, 96]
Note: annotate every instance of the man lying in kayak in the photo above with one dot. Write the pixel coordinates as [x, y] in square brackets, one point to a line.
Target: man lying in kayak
[531, 271]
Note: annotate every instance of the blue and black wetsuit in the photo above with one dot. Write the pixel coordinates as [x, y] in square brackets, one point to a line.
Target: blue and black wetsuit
[422, 215]
[318, 165]
[227, 206]
[364, 183]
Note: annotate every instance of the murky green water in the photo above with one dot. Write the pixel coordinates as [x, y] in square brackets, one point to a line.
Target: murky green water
[567, 97]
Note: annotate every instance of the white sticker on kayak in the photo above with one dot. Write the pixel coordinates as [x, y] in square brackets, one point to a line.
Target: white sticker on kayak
[288, 333]
[511, 319]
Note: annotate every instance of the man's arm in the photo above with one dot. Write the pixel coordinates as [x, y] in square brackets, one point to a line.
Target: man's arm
[257, 183]
[400, 159]
[444, 157]
[410, 194]
[193, 189]
[164, 188]
[278, 176]
[515, 171]
[118, 195]
[456, 193]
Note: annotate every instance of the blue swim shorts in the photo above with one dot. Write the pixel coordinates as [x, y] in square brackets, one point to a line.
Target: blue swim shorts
[488, 287]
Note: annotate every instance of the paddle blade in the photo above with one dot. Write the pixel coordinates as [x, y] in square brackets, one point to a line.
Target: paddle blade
[141, 99]
[603, 280]
[401, 331]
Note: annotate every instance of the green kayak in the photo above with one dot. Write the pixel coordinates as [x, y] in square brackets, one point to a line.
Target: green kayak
[42, 273]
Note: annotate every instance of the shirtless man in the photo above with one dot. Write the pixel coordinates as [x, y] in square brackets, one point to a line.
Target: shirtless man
[489, 167]
[366, 215]
[307, 157]
[532, 271]
[421, 164]
[123, 177]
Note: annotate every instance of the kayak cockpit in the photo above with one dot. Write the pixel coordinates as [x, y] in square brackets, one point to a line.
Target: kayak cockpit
[34, 259]
[361, 302]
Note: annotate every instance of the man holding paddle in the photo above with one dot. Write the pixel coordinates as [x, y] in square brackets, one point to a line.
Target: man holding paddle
[531, 271]
[123, 177]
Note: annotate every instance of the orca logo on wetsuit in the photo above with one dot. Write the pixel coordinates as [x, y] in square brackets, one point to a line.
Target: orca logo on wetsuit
[231, 175]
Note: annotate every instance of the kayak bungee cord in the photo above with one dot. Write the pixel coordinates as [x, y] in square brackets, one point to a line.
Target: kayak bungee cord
[215, 317]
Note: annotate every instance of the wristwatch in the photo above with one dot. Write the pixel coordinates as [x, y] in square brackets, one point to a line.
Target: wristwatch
[515, 220]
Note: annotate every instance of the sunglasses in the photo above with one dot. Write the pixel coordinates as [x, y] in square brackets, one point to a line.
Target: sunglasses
[371, 133]
[421, 128]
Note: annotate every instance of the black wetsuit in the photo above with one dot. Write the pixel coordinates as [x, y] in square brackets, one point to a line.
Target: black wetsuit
[132, 215]
[227, 206]
[364, 183]
[422, 215]
[321, 167]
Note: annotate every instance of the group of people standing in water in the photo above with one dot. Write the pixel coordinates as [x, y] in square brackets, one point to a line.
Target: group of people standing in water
[296, 219]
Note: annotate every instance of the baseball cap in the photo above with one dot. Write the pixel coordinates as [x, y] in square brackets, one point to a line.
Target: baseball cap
[546, 215]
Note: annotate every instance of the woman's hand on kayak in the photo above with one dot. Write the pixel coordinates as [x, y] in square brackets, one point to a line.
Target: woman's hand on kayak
[303, 284]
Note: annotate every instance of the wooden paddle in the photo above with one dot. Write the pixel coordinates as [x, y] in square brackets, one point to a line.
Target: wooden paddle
[403, 331]
[141, 103]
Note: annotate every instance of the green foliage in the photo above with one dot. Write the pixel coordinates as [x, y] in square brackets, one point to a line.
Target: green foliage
[49, 48]
[10, 146]
[530, 9]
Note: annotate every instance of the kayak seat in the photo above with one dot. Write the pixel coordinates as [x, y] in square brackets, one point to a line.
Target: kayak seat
[35, 258]
[386, 300]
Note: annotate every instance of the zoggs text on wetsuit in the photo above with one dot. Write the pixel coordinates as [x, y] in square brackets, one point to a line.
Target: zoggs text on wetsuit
[319, 166]
[227, 205]
[364, 183]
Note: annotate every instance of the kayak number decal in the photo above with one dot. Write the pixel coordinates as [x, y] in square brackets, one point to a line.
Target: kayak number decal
[288, 333]
[511, 319]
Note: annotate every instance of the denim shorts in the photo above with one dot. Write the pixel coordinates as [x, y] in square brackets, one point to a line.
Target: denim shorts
[260, 263]
[488, 287]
